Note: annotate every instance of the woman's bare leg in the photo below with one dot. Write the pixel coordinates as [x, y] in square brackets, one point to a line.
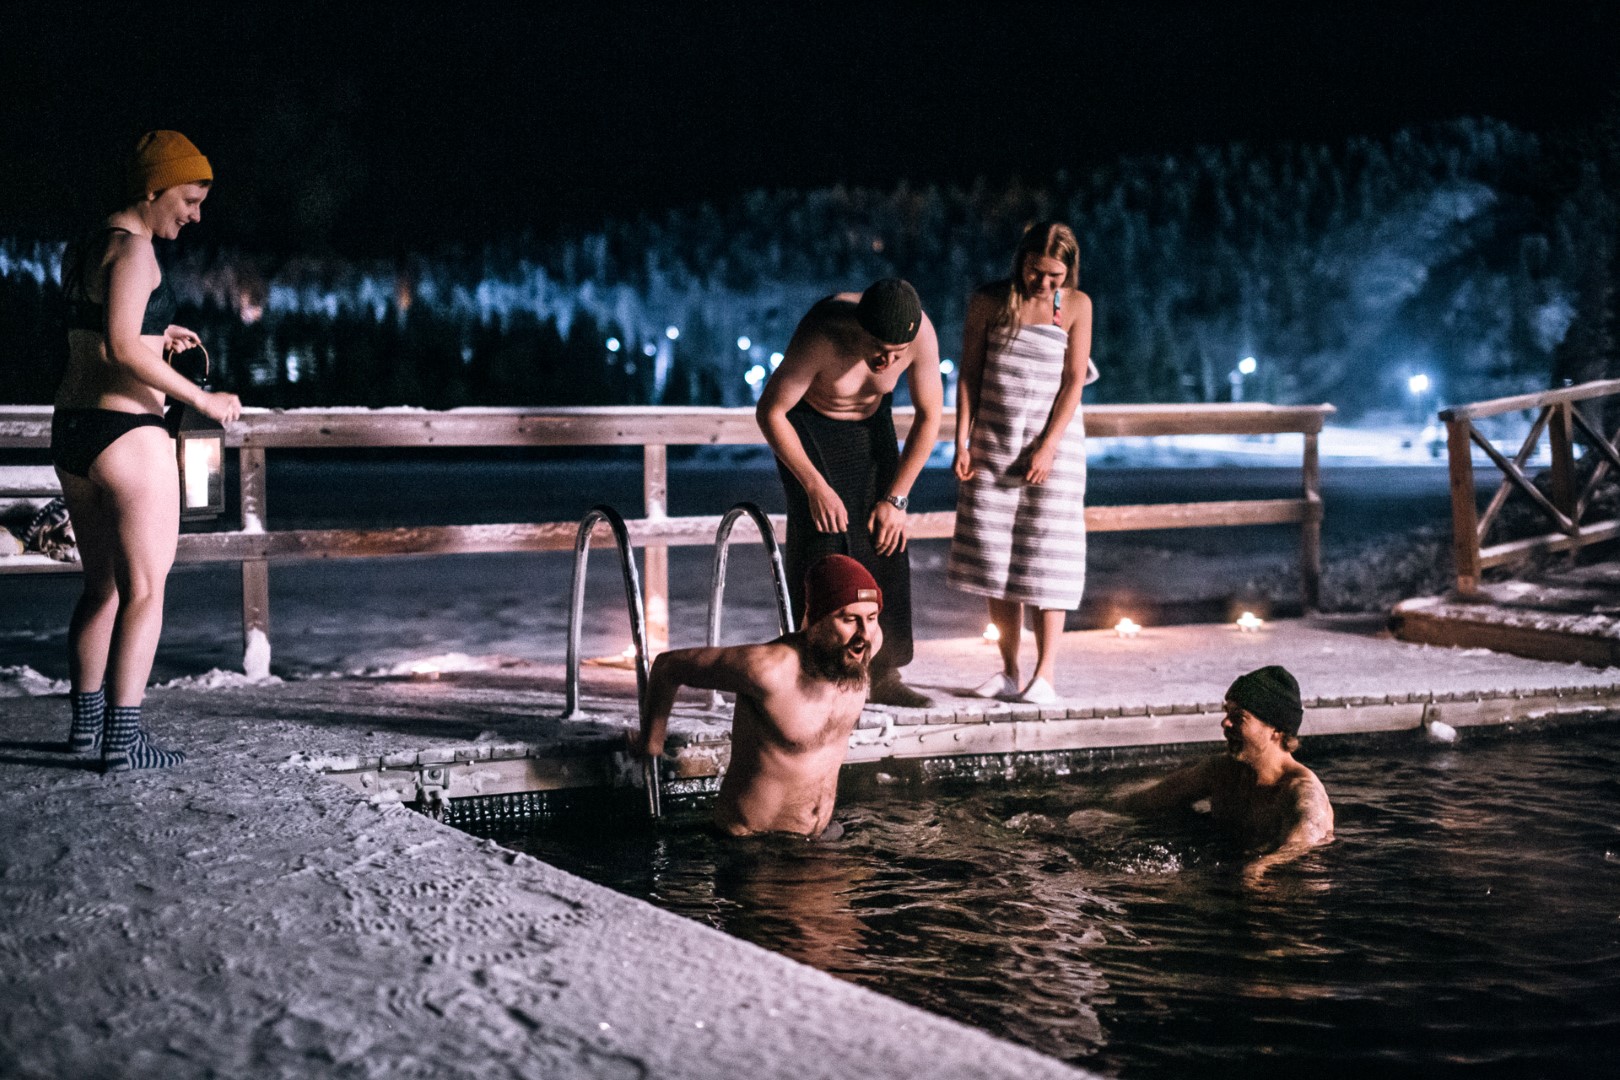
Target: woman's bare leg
[90, 630]
[1048, 632]
[1008, 617]
[139, 482]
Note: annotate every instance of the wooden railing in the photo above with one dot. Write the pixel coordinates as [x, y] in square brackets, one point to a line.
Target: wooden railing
[1564, 507]
[254, 546]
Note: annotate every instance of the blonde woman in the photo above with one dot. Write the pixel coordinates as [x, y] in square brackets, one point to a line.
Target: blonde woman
[112, 452]
[1021, 453]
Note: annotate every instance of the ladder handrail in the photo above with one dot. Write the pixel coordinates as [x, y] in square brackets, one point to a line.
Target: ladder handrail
[638, 627]
[717, 581]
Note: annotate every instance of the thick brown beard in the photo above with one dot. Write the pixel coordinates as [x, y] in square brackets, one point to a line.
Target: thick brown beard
[828, 661]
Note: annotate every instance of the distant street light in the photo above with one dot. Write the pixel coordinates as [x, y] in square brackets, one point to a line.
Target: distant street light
[776, 360]
[672, 332]
[612, 344]
[1418, 384]
[744, 343]
[1245, 366]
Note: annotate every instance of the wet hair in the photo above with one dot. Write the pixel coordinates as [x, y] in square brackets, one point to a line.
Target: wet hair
[1046, 240]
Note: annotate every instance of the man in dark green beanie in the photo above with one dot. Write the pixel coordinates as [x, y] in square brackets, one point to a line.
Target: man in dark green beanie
[1270, 803]
[826, 412]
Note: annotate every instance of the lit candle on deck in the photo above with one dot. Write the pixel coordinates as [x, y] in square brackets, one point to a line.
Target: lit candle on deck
[1127, 628]
[1249, 622]
[992, 634]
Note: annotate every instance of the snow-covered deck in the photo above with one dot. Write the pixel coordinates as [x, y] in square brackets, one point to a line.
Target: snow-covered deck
[1560, 614]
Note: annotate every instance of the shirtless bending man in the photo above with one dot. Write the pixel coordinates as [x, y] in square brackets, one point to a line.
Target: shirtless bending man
[798, 699]
[1270, 803]
[826, 413]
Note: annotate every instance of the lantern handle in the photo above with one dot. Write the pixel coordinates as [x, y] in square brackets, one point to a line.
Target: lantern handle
[169, 353]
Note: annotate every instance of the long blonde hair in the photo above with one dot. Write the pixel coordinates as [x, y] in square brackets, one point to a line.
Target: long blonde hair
[1047, 240]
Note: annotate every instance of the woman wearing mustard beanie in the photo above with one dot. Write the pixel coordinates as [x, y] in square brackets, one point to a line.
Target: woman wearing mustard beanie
[112, 451]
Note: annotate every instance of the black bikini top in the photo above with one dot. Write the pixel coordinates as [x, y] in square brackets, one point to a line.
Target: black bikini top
[87, 314]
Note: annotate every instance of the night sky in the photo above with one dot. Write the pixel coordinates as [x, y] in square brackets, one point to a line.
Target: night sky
[377, 129]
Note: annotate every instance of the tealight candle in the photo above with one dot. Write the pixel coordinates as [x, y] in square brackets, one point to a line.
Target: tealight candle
[1127, 628]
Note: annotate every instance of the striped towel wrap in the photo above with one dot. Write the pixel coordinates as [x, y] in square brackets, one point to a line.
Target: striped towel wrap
[1014, 540]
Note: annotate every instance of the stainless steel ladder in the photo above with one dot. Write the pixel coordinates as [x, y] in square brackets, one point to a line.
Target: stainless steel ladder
[638, 630]
[717, 583]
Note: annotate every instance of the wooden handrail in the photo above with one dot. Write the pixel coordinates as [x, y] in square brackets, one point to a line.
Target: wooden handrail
[29, 426]
[1564, 507]
[1521, 402]
[256, 545]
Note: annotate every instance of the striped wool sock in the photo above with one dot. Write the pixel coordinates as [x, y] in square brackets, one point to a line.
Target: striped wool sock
[89, 714]
[126, 745]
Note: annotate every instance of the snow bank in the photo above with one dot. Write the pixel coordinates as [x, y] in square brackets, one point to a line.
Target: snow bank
[24, 681]
[220, 679]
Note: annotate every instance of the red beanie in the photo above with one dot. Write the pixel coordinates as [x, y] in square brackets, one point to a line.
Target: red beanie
[835, 580]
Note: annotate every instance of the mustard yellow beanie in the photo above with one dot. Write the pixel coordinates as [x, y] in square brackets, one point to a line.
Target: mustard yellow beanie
[163, 159]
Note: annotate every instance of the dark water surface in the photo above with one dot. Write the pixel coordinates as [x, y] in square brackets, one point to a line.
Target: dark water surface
[1465, 922]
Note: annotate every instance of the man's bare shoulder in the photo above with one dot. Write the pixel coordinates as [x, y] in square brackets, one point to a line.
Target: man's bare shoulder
[774, 665]
[1310, 800]
[1305, 784]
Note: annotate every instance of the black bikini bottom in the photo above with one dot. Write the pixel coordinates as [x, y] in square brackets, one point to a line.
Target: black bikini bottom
[78, 436]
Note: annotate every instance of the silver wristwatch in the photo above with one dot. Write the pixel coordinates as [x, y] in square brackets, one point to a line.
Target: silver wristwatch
[899, 502]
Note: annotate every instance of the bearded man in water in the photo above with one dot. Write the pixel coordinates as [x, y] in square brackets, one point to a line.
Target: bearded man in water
[798, 699]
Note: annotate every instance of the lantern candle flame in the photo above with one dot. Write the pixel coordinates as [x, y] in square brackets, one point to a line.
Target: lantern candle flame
[1249, 622]
[1127, 628]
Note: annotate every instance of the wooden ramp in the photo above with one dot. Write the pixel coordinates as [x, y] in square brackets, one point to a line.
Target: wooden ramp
[1570, 615]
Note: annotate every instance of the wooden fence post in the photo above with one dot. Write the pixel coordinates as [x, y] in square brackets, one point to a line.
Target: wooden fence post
[655, 569]
[255, 572]
[1464, 511]
[1310, 530]
[1560, 433]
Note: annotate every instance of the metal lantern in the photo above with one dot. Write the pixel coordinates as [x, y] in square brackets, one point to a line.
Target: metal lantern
[200, 449]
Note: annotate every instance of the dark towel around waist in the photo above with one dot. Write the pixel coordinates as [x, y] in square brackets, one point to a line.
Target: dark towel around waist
[859, 459]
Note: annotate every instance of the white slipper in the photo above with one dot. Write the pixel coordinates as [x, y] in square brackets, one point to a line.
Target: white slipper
[1038, 692]
[999, 685]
